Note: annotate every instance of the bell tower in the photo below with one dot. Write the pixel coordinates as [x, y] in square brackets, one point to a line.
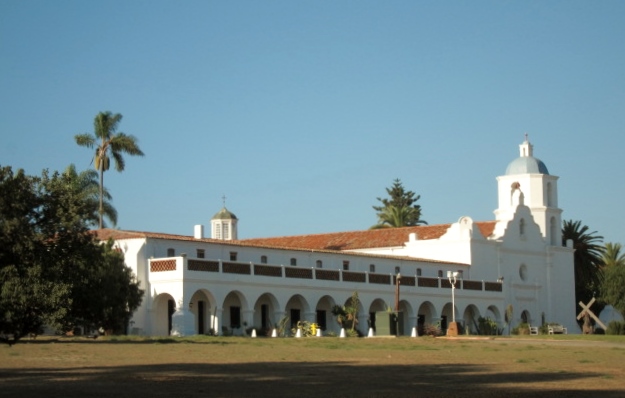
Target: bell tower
[528, 182]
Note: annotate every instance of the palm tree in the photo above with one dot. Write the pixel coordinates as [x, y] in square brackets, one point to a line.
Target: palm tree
[395, 217]
[588, 259]
[86, 183]
[400, 209]
[107, 140]
[612, 256]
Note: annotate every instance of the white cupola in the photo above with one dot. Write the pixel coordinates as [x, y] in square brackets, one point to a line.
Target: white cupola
[224, 225]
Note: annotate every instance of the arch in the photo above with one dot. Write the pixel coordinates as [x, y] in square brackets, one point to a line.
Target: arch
[426, 315]
[470, 319]
[266, 313]
[323, 317]
[377, 305]
[296, 309]
[203, 305]
[526, 317]
[447, 316]
[362, 317]
[163, 308]
[234, 308]
[408, 313]
[493, 312]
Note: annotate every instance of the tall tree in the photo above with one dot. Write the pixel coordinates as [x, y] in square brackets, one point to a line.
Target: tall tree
[87, 183]
[400, 209]
[587, 259]
[108, 143]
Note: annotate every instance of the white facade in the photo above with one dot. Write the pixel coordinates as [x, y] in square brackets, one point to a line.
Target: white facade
[194, 284]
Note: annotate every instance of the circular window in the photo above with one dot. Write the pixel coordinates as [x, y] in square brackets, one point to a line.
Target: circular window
[523, 272]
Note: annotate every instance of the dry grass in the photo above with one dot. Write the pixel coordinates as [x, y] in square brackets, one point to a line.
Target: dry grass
[567, 366]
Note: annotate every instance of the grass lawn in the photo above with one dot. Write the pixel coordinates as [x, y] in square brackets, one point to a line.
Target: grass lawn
[549, 366]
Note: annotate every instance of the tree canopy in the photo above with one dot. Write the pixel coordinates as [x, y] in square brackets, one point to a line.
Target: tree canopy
[612, 291]
[400, 209]
[612, 255]
[86, 182]
[53, 271]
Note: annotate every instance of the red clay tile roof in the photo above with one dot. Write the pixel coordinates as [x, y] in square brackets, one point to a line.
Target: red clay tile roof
[367, 239]
[336, 241]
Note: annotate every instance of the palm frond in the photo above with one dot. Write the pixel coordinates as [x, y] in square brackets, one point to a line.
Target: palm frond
[85, 140]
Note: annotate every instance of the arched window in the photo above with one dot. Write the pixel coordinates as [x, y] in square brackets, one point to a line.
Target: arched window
[418, 271]
[372, 268]
[171, 252]
[440, 273]
[319, 264]
[263, 259]
[522, 227]
[293, 261]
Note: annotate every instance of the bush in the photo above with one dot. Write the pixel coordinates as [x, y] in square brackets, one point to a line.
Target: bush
[616, 327]
[522, 329]
[544, 328]
[432, 330]
[487, 326]
[308, 329]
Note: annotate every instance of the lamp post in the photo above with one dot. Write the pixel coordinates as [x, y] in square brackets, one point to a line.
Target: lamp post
[396, 315]
[452, 330]
[397, 283]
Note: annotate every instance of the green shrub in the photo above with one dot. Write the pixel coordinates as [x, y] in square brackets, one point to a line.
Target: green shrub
[616, 327]
[522, 329]
[487, 326]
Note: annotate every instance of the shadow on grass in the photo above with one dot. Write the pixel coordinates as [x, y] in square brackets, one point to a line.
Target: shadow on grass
[287, 379]
[124, 340]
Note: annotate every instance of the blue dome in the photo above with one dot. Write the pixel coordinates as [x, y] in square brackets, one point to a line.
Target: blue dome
[526, 165]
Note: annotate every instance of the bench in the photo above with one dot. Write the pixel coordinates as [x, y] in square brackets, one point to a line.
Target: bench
[533, 330]
[556, 329]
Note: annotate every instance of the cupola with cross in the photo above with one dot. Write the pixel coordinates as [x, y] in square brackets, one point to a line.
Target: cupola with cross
[224, 224]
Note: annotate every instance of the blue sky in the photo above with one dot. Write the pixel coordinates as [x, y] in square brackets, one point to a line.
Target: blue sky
[303, 112]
